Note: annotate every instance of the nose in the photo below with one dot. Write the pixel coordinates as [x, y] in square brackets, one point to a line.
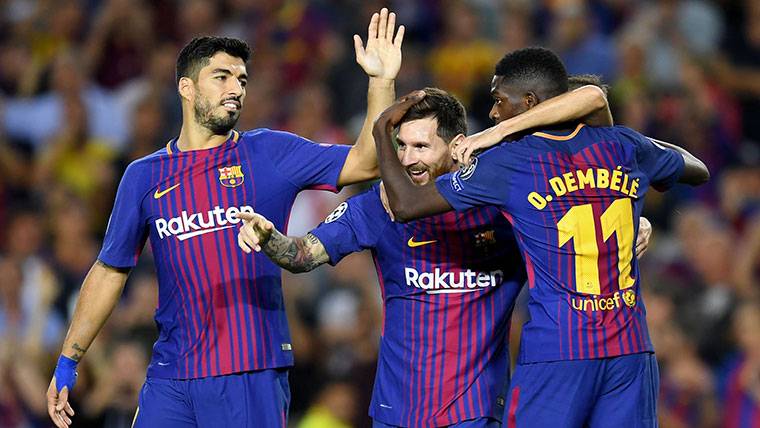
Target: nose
[235, 87]
[494, 114]
[408, 157]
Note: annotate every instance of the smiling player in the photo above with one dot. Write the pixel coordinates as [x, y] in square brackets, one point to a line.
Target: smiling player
[224, 349]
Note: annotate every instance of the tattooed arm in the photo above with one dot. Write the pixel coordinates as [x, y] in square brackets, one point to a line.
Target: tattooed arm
[296, 255]
[100, 293]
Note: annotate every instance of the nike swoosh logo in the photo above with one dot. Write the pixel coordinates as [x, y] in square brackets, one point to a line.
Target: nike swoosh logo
[158, 194]
[413, 244]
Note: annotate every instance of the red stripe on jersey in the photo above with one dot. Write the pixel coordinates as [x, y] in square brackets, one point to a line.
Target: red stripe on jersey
[512, 412]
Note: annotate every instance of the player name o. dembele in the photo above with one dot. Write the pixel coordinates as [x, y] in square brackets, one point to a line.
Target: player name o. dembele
[592, 178]
[441, 282]
[186, 225]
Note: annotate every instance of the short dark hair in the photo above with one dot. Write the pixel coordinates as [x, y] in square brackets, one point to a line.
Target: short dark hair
[577, 80]
[439, 104]
[536, 69]
[197, 54]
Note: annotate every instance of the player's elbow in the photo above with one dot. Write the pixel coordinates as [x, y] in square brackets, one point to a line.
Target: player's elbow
[594, 97]
[696, 174]
[400, 213]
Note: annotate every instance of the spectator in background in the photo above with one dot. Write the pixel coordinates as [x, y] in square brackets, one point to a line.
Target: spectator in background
[80, 164]
[741, 389]
[118, 45]
[463, 57]
[582, 47]
[38, 119]
[335, 407]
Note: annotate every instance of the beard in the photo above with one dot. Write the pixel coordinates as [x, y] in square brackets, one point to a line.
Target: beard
[218, 125]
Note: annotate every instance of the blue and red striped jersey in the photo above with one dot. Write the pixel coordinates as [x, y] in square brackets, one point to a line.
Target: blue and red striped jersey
[574, 202]
[220, 310]
[448, 284]
[740, 406]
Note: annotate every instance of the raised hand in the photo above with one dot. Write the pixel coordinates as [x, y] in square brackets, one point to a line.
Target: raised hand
[381, 57]
[255, 232]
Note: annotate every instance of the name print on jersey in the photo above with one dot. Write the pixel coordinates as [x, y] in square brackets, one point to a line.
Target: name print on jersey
[593, 178]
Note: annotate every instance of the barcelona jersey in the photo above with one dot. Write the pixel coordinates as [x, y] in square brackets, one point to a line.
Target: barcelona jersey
[574, 202]
[448, 285]
[220, 311]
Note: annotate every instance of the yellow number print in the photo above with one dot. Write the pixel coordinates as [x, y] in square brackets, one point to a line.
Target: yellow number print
[578, 224]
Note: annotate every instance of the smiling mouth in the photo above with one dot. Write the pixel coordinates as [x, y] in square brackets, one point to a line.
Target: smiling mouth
[231, 105]
[414, 174]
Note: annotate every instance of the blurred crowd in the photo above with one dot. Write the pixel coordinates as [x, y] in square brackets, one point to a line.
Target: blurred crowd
[87, 86]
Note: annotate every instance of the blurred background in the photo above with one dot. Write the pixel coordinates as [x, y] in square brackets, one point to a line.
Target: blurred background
[87, 86]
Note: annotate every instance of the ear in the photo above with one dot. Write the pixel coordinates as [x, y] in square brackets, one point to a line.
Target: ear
[457, 140]
[530, 100]
[186, 88]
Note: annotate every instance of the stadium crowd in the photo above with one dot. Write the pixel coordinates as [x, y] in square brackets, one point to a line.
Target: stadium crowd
[87, 86]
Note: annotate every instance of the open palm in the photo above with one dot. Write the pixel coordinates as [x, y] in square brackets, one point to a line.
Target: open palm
[381, 57]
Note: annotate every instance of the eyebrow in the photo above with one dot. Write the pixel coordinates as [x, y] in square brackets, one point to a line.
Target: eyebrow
[228, 72]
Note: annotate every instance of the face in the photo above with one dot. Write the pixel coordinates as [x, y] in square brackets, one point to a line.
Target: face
[422, 152]
[219, 93]
[507, 101]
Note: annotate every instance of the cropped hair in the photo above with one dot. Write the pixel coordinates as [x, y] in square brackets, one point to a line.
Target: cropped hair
[197, 54]
[439, 104]
[535, 69]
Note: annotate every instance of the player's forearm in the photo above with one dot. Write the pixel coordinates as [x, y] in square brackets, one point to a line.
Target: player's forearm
[695, 172]
[296, 255]
[99, 295]
[406, 200]
[362, 162]
[587, 102]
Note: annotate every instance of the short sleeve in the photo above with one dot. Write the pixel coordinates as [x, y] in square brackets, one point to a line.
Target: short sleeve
[661, 165]
[355, 225]
[483, 182]
[126, 232]
[308, 165]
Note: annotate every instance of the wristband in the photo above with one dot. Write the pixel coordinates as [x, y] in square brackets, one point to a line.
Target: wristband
[65, 373]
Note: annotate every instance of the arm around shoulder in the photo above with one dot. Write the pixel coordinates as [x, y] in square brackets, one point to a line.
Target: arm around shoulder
[695, 171]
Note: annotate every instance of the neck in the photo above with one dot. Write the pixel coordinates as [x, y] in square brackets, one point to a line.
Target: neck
[193, 136]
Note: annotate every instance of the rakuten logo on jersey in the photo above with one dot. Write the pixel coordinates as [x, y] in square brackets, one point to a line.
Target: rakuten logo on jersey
[189, 225]
[439, 282]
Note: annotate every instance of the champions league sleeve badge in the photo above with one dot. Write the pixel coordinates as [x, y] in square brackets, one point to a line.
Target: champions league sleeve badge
[337, 212]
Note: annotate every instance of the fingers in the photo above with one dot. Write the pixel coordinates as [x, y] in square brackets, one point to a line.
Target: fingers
[383, 23]
[391, 25]
[248, 239]
[241, 243]
[246, 216]
[358, 48]
[372, 30]
[63, 398]
[399, 37]
[640, 250]
[58, 404]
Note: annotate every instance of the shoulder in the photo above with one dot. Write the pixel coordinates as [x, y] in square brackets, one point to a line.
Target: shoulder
[269, 136]
[145, 164]
[368, 200]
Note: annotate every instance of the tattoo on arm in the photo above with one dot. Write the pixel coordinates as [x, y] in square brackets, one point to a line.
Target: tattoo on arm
[78, 352]
[296, 254]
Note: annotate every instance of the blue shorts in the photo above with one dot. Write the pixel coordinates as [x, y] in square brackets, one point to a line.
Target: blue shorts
[607, 392]
[251, 399]
[470, 423]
